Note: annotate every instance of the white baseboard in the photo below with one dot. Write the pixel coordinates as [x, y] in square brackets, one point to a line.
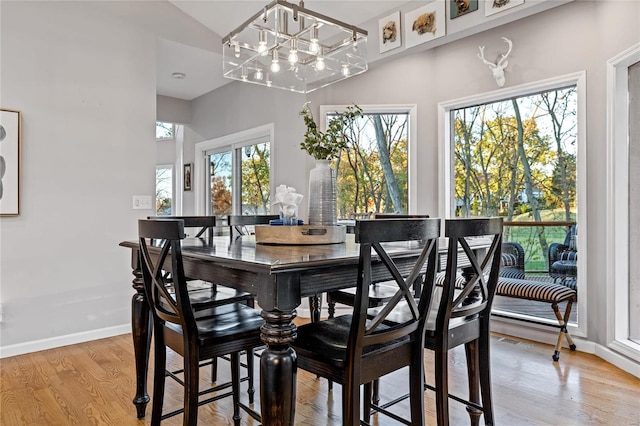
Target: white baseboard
[69, 339]
[620, 361]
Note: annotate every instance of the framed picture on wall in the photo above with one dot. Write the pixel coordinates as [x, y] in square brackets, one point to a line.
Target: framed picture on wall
[495, 6]
[186, 178]
[389, 28]
[425, 23]
[9, 162]
[459, 8]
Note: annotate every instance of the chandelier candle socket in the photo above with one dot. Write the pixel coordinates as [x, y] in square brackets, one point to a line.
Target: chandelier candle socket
[298, 49]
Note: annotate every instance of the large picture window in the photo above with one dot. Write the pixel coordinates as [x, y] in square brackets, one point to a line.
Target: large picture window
[373, 173]
[516, 155]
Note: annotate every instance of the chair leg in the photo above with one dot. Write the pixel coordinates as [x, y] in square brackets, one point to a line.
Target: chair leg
[159, 374]
[191, 386]
[484, 353]
[375, 397]
[442, 386]
[416, 388]
[350, 404]
[235, 387]
[250, 373]
[471, 350]
[214, 370]
[366, 402]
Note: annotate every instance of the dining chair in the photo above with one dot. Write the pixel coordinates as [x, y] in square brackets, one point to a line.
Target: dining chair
[205, 295]
[356, 349]
[379, 293]
[460, 314]
[464, 313]
[196, 335]
[238, 223]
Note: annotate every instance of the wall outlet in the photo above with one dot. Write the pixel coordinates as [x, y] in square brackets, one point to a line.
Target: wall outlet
[142, 202]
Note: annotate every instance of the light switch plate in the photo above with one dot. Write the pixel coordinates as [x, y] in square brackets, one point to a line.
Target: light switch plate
[142, 202]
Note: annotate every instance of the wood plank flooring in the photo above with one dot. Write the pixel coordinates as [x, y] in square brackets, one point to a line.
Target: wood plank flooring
[93, 384]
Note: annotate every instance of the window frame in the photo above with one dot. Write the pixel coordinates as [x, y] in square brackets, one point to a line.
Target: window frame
[173, 131]
[446, 170]
[229, 142]
[412, 162]
[618, 226]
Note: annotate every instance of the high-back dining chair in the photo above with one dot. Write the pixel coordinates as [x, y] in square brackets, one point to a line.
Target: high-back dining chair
[356, 349]
[463, 314]
[460, 314]
[195, 335]
[205, 295]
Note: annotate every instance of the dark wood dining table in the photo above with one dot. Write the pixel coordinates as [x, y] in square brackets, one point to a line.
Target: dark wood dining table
[281, 276]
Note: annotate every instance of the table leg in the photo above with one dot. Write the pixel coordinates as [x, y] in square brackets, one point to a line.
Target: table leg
[278, 369]
[141, 332]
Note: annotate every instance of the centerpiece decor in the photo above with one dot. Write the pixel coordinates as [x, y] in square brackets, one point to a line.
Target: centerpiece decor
[324, 147]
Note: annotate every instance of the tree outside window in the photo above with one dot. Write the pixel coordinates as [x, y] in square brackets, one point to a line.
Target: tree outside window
[372, 172]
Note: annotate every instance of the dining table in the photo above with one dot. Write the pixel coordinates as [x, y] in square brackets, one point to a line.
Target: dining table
[281, 277]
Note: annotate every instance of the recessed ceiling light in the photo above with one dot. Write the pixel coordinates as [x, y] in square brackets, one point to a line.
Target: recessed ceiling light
[179, 75]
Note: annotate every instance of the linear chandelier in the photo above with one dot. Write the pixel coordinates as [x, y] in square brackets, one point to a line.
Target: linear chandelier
[293, 48]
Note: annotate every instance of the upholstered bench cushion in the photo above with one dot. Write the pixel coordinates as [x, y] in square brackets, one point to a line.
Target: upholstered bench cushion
[524, 289]
[534, 290]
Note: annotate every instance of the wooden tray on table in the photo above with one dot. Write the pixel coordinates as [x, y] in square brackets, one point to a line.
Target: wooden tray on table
[299, 235]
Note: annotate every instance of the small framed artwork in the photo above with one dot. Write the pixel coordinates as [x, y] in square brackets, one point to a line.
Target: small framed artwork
[495, 6]
[425, 23]
[9, 162]
[186, 177]
[461, 7]
[389, 28]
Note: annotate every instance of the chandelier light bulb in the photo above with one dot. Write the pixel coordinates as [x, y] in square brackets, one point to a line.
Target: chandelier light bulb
[236, 50]
[320, 63]
[314, 47]
[345, 70]
[258, 75]
[275, 62]
[293, 53]
[262, 43]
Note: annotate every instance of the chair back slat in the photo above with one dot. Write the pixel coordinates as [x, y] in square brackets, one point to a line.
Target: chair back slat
[419, 233]
[476, 296]
[161, 260]
[237, 222]
[205, 223]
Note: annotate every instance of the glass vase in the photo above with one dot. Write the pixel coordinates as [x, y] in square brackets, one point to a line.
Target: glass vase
[322, 194]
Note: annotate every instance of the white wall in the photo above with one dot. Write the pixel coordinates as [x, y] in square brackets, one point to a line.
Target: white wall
[85, 83]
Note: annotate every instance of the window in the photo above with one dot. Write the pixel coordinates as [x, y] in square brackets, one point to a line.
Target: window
[234, 175]
[516, 154]
[373, 173]
[242, 170]
[165, 131]
[164, 189]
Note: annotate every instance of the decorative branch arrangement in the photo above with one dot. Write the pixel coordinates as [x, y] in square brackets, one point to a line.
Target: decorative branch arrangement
[498, 68]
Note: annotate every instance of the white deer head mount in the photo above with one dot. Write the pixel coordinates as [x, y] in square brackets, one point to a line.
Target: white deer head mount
[498, 68]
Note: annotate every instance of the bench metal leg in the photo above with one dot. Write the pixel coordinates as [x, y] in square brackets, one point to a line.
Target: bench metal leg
[562, 321]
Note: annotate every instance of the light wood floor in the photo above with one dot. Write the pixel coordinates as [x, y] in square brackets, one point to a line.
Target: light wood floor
[93, 384]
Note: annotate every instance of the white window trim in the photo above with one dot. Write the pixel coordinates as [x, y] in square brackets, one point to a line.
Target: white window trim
[412, 110]
[232, 141]
[445, 164]
[618, 203]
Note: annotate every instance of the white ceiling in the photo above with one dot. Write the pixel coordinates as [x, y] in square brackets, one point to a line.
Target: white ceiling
[203, 68]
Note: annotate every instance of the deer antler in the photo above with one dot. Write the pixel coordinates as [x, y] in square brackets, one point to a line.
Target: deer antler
[498, 68]
[502, 62]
